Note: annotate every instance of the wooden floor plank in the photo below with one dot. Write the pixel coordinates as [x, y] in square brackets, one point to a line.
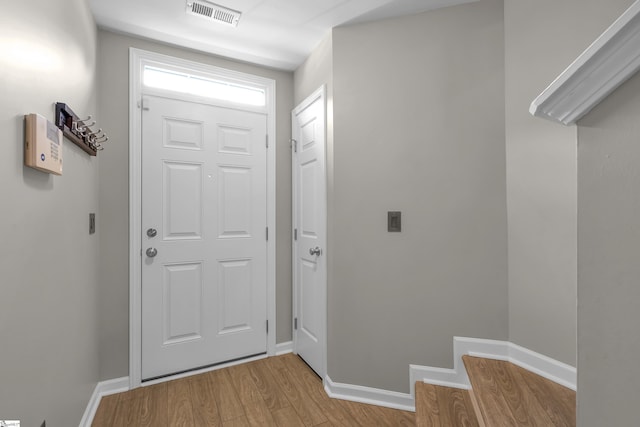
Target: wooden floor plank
[515, 396]
[509, 395]
[360, 412]
[461, 408]
[558, 402]
[369, 415]
[306, 408]
[476, 409]
[445, 409]
[203, 401]
[237, 422]
[287, 417]
[179, 404]
[154, 410]
[255, 408]
[427, 408]
[493, 405]
[312, 384]
[438, 406]
[395, 417]
[106, 411]
[128, 411]
[526, 402]
[267, 386]
[229, 405]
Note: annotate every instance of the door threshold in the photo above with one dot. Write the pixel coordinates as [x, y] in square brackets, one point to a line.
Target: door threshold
[203, 369]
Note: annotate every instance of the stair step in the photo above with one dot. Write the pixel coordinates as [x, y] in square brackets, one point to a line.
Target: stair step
[510, 395]
[438, 406]
[502, 394]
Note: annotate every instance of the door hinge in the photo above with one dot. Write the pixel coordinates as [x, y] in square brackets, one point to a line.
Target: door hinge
[295, 234]
[295, 323]
[267, 233]
[266, 140]
[144, 104]
[267, 324]
[294, 145]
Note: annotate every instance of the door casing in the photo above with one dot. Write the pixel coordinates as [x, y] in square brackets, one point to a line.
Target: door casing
[138, 59]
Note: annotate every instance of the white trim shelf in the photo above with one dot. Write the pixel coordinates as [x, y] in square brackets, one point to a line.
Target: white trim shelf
[610, 61]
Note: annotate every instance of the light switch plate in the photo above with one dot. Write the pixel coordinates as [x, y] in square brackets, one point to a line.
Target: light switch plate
[394, 221]
[92, 223]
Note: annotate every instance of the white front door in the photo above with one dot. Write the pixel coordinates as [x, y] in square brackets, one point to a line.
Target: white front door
[309, 212]
[204, 217]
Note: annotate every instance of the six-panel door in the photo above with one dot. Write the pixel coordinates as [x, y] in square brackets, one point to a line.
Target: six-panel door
[204, 192]
[308, 129]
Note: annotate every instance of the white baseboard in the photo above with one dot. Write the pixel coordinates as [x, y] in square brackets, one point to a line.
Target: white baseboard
[369, 395]
[103, 388]
[284, 348]
[551, 369]
[537, 363]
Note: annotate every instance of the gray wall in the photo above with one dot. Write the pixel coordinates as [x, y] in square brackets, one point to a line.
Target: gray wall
[316, 70]
[48, 260]
[113, 91]
[608, 265]
[418, 127]
[541, 39]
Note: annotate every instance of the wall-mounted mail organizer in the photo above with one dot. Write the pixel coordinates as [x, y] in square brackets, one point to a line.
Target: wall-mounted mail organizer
[79, 131]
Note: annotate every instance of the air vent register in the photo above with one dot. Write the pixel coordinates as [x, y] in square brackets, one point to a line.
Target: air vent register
[213, 12]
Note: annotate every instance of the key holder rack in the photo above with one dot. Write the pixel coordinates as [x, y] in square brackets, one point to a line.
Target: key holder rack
[79, 131]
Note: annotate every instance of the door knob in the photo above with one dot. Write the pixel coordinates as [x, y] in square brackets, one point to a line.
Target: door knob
[152, 232]
[315, 251]
[151, 252]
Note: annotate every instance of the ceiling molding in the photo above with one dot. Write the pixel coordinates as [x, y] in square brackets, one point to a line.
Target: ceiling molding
[610, 61]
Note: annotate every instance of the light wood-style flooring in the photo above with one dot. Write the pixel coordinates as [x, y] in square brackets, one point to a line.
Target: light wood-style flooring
[438, 406]
[277, 391]
[511, 396]
[502, 395]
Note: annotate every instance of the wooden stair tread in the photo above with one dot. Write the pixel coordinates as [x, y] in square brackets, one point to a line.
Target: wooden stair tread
[438, 406]
[509, 395]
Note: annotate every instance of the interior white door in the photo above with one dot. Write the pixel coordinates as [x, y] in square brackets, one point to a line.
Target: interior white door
[204, 215]
[309, 212]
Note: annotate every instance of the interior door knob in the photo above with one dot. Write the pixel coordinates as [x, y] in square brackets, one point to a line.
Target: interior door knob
[151, 252]
[315, 251]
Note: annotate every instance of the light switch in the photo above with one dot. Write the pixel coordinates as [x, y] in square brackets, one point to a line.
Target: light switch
[394, 221]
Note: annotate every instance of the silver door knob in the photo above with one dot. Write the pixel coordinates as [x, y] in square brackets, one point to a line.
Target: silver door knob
[315, 251]
[151, 252]
[152, 232]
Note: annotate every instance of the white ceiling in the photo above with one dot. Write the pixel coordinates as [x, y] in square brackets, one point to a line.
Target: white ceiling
[274, 33]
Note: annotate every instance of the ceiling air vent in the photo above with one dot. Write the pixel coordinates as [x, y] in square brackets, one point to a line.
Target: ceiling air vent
[213, 12]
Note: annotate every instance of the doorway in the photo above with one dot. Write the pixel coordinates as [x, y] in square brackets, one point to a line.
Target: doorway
[202, 203]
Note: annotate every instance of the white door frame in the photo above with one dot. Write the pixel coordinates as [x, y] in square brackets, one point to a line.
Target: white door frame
[321, 94]
[137, 60]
